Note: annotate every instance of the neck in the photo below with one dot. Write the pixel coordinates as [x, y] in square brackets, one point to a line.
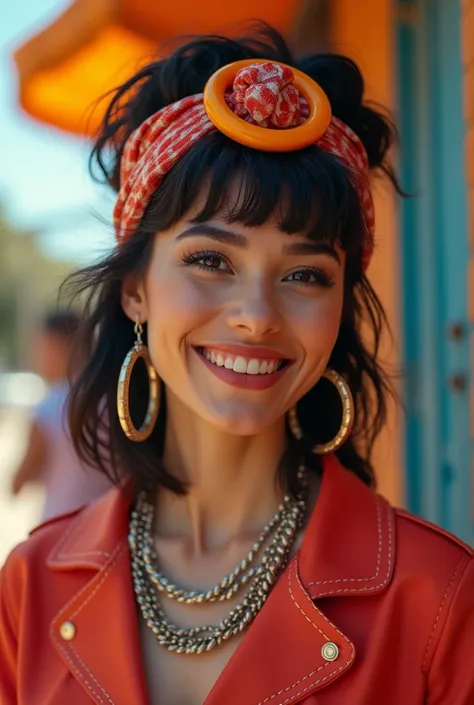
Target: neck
[232, 486]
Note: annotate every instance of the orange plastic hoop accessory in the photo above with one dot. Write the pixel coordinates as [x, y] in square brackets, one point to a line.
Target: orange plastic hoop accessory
[262, 138]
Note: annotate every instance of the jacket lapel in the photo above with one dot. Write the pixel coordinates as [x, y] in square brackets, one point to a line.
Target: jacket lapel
[349, 546]
[96, 632]
[292, 648]
[348, 549]
[280, 660]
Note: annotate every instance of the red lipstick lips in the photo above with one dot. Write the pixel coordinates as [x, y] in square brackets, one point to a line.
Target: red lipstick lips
[244, 366]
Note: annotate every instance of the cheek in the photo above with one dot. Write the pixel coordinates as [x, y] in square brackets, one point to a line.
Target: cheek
[177, 304]
[316, 323]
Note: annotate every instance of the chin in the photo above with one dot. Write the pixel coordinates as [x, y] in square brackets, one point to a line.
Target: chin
[243, 428]
[245, 421]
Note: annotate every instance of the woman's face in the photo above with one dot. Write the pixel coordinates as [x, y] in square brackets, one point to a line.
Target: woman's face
[241, 321]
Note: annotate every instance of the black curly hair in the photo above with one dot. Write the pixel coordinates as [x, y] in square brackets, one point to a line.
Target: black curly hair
[307, 191]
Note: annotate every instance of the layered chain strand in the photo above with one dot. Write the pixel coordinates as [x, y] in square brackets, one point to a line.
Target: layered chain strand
[232, 582]
[149, 583]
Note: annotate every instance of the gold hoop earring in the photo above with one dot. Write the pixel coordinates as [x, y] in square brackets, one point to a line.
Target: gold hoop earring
[347, 416]
[138, 351]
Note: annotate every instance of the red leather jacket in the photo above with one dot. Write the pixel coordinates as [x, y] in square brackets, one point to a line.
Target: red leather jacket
[376, 609]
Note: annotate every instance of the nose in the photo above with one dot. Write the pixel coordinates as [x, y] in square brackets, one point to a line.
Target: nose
[256, 312]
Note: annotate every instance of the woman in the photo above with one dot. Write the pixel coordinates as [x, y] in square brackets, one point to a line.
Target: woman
[246, 558]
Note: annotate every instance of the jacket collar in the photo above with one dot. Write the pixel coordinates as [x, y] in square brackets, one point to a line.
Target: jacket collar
[93, 537]
[349, 544]
[348, 549]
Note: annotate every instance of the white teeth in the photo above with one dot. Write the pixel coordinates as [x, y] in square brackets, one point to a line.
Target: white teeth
[240, 365]
[253, 368]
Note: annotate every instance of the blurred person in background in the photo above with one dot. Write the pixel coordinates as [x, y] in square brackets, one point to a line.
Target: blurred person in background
[50, 458]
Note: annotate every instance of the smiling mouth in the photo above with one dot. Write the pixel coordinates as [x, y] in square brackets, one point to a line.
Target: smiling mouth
[243, 365]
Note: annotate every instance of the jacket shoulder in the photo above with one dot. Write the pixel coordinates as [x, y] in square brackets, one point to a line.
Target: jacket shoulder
[59, 519]
[432, 557]
[442, 568]
[25, 568]
[40, 541]
[425, 535]
[83, 538]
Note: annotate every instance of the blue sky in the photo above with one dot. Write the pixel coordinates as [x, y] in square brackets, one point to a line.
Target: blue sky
[43, 173]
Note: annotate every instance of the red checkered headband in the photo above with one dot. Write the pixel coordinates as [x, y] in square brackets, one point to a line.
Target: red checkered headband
[264, 105]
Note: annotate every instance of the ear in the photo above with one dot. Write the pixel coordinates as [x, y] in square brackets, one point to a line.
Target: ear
[133, 298]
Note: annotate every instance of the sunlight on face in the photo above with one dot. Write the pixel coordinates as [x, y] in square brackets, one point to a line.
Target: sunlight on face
[241, 321]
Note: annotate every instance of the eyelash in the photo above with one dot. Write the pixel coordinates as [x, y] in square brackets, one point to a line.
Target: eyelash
[194, 259]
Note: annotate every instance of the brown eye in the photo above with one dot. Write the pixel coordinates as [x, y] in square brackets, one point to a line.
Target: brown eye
[211, 261]
[310, 276]
[305, 276]
[208, 261]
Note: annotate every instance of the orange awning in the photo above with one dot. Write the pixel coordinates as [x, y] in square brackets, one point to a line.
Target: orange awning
[96, 44]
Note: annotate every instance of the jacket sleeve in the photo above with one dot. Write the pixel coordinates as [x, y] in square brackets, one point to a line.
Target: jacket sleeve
[10, 596]
[451, 646]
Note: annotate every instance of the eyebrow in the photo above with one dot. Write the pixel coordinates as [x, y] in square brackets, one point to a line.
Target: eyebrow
[229, 237]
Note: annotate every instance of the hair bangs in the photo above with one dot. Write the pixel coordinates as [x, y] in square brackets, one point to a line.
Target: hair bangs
[310, 192]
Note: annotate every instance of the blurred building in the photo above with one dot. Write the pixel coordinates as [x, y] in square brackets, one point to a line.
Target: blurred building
[418, 58]
[29, 283]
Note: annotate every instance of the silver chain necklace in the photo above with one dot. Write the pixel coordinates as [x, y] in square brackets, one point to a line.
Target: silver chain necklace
[149, 583]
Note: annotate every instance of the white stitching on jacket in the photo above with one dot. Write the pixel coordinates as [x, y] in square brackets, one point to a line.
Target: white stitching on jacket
[57, 551]
[60, 544]
[89, 672]
[464, 559]
[84, 553]
[77, 670]
[379, 556]
[310, 675]
[315, 626]
[371, 587]
[118, 552]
